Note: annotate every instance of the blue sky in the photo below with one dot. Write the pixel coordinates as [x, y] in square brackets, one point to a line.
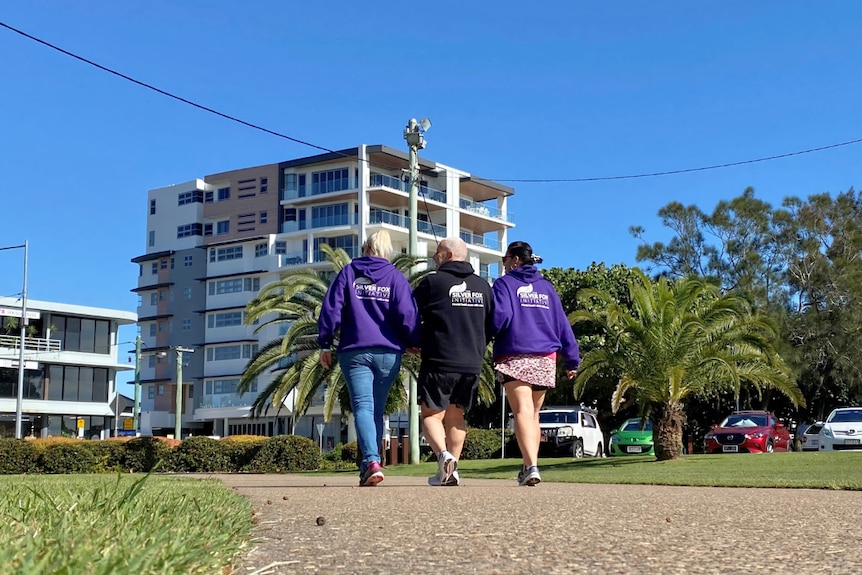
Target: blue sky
[570, 90]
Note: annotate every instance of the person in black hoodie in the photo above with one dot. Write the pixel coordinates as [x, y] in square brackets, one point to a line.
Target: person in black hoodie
[456, 312]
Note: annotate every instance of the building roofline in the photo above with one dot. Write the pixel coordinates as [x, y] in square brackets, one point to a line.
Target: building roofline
[122, 317]
[153, 256]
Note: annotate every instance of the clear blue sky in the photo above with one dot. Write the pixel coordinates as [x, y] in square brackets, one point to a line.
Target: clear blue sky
[556, 90]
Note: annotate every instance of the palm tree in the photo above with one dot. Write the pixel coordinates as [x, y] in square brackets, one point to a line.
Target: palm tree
[293, 358]
[680, 338]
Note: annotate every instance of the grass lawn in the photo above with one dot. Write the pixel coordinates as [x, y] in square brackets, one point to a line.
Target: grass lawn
[803, 470]
[103, 525]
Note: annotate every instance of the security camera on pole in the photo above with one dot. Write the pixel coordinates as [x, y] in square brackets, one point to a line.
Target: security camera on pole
[414, 133]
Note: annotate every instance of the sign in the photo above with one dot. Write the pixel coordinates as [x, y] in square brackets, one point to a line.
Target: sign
[129, 423]
[14, 363]
[16, 312]
[125, 433]
[320, 428]
[80, 423]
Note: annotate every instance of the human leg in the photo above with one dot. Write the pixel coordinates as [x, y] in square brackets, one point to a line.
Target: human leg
[385, 365]
[356, 366]
[523, 406]
[432, 427]
[456, 430]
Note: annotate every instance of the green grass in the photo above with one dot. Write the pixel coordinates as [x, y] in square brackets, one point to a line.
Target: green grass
[801, 470]
[101, 525]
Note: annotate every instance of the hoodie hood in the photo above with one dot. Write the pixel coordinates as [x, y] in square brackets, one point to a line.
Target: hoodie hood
[460, 269]
[374, 268]
[526, 273]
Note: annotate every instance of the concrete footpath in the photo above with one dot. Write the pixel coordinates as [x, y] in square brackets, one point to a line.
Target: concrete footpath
[326, 524]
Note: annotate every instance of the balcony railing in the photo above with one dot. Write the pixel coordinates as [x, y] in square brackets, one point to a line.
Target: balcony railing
[477, 240]
[227, 400]
[484, 210]
[292, 259]
[30, 343]
[378, 216]
[309, 190]
[382, 180]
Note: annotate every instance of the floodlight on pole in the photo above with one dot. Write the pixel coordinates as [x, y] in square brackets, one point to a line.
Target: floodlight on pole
[414, 133]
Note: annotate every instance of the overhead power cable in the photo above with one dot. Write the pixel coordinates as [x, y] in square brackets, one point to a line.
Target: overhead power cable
[325, 149]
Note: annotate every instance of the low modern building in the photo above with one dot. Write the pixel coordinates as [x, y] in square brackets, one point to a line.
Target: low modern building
[70, 368]
[211, 244]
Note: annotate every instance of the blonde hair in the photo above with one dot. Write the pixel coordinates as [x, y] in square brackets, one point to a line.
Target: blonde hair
[378, 244]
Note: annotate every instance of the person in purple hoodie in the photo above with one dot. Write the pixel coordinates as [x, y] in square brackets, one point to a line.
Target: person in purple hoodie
[372, 305]
[531, 329]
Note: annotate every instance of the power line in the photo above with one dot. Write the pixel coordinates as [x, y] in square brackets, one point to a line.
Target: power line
[325, 149]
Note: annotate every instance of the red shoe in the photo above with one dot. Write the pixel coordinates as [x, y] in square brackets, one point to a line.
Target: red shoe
[372, 475]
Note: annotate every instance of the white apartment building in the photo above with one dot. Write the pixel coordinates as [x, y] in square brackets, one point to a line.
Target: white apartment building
[213, 242]
[70, 361]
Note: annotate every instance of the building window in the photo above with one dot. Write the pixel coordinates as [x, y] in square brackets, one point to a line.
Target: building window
[261, 250]
[152, 207]
[154, 298]
[280, 247]
[151, 238]
[187, 324]
[330, 181]
[263, 185]
[223, 194]
[190, 230]
[225, 286]
[208, 229]
[196, 196]
[187, 261]
[251, 284]
[187, 293]
[222, 227]
[163, 264]
[151, 392]
[151, 361]
[162, 325]
[161, 389]
[208, 197]
[228, 319]
[225, 254]
[153, 329]
[294, 185]
[155, 267]
[263, 217]
[331, 215]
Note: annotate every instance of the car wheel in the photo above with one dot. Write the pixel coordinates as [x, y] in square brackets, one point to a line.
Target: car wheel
[600, 451]
[769, 447]
[578, 449]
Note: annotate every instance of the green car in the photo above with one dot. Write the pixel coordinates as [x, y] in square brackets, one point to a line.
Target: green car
[634, 437]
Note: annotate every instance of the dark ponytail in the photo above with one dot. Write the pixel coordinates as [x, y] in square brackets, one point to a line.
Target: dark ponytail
[524, 252]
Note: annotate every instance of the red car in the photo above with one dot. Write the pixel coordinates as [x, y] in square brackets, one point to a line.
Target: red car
[748, 432]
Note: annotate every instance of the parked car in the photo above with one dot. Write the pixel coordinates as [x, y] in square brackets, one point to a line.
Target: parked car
[748, 432]
[810, 440]
[634, 437]
[572, 430]
[842, 430]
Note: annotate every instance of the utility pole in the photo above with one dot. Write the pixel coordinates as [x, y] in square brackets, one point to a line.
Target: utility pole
[20, 401]
[137, 382]
[178, 427]
[414, 133]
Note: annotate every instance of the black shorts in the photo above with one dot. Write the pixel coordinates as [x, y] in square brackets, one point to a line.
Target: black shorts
[438, 390]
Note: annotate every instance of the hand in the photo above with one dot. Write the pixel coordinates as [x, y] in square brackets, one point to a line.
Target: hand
[325, 358]
[571, 373]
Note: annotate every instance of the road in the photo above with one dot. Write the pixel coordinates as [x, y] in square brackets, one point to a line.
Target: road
[326, 524]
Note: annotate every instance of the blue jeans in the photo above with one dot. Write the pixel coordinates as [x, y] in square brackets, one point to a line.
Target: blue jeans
[369, 373]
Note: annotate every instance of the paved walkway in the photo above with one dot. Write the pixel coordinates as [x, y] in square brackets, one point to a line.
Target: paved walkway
[325, 524]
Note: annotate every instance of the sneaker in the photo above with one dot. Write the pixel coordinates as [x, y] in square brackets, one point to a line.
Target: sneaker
[453, 481]
[372, 475]
[447, 465]
[529, 477]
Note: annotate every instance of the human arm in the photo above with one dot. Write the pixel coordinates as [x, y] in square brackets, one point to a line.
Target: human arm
[330, 312]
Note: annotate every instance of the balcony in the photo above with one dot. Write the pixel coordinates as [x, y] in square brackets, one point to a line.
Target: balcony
[30, 343]
[484, 210]
[292, 259]
[302, 191]
[384, 181]
[482, 241]
[227, 400]
[377, 216]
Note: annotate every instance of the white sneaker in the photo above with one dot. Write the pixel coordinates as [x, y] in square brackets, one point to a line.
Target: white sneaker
[446, 465]
[454, 480]
[529, 477]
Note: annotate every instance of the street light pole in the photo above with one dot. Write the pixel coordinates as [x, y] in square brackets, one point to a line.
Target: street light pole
[178, 426]
[137, 383]
[414, 133]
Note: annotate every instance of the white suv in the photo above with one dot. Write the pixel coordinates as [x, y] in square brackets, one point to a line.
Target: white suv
[842, 430]
[572, 430]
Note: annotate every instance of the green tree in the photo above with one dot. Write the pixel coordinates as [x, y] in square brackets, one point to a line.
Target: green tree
[293, 359]
[680, 338]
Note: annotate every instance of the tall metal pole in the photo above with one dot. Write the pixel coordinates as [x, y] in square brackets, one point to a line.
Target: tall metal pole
[178, 426]
[137, 383]
[415, 142]
[19, 404]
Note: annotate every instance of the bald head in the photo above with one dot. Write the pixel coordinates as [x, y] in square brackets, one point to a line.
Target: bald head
[455, 248]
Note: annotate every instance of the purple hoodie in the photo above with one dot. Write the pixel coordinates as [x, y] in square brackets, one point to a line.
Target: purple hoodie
[371, 301]
[529, 317]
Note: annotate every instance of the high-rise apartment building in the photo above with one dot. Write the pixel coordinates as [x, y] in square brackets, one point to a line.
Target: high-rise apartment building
[213, 242]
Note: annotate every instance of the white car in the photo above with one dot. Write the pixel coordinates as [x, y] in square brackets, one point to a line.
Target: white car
[810, 440]
[572, 430]
[842, 430]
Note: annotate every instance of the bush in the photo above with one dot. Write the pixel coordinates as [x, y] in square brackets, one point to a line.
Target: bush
[143, 453]
[350, 452]
[242, 449]
[285, 454]
[17, 456]
[483, 444]
[108, 455]
[75, 457]
[201, 453]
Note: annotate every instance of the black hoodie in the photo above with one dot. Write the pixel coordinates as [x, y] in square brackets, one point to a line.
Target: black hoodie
[456, 310]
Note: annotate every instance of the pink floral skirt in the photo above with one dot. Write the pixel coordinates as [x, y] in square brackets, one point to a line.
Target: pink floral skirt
[539, 370]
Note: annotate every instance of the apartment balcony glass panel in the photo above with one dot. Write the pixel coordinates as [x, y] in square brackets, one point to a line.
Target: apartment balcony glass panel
[292, 259]
[378, 216]
[477, 240]
[484, 210]
[382, 180]
[227, 400]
